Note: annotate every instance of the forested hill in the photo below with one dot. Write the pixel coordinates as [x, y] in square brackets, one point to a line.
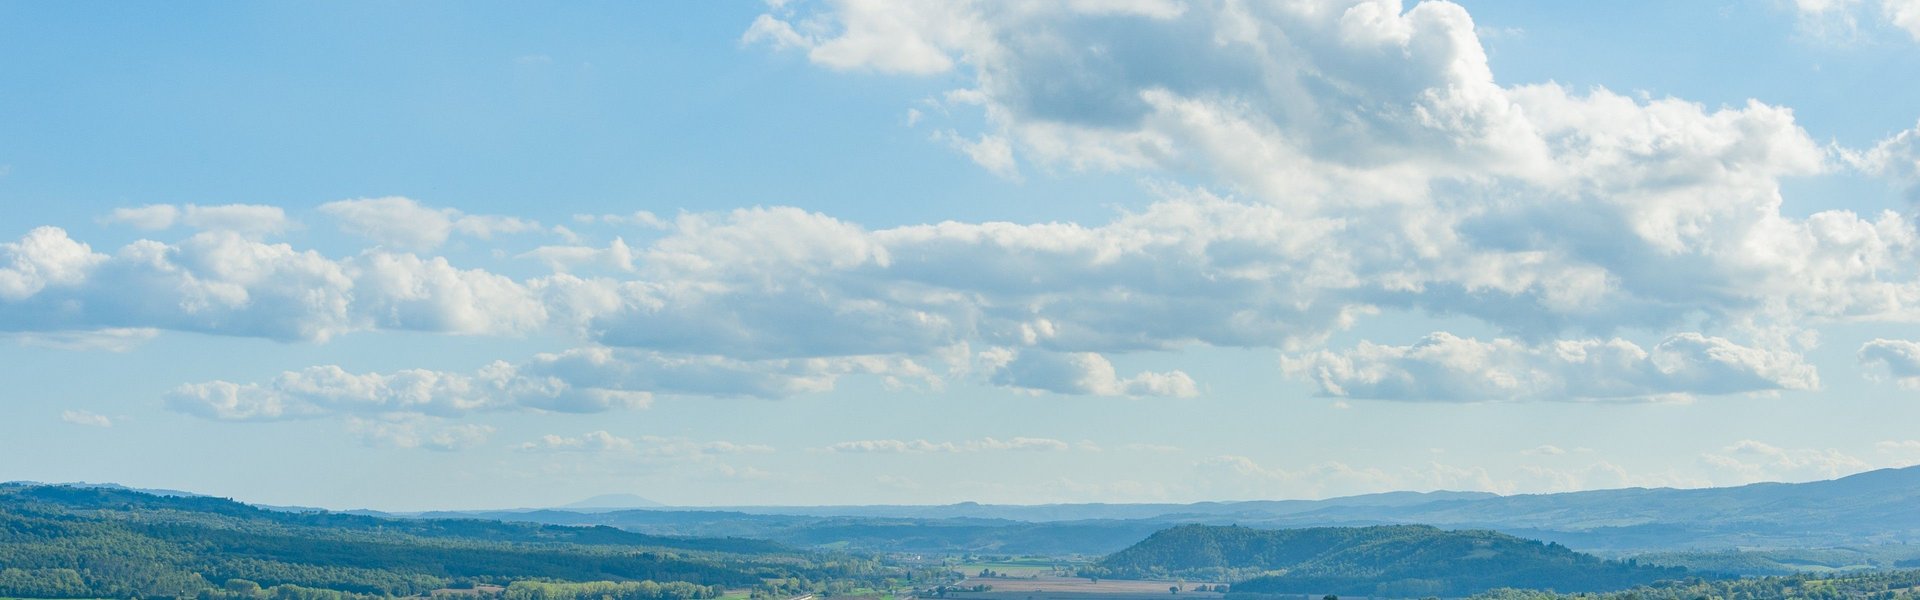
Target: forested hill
[91, 542]
[221, 512]
[1390, 560]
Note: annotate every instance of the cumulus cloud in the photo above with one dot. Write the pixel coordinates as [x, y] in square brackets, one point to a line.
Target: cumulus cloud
[1357, 157]
[1898, 358]
[1896, 158]
[582, 380]
[81, 417]
[1533, 207]
[991, 152]
[1021, 444]
[329, 390]
[44, 257]
[403, 223]
[1086, 373]
[1443, 367]
[221, 282]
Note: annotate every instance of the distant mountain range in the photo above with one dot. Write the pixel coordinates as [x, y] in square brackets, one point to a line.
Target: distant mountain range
[1876, 509]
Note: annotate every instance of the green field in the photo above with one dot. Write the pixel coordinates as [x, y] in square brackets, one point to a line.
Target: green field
[1013, 568]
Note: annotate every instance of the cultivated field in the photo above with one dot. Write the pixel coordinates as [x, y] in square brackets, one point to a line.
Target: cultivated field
[1012, 568]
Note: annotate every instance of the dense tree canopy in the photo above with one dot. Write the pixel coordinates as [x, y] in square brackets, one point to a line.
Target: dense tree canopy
[67, 542]
[1397, 561]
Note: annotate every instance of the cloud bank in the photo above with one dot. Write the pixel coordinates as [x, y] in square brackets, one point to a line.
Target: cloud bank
[1348, 158]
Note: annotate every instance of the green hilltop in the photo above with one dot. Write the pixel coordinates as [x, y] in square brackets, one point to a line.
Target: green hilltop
[1387, 560]
[94, 542]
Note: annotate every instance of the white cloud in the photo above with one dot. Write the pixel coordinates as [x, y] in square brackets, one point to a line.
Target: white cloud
[403, 223]
[44, 257]
[109, 340]
[221, 282]
[1532, 207]
[881, 40]
[246, 219]
[774, 32]
[403, 291]
[1904, 14]
[252, 220]
[1898, 358]
[1086, 373]
[329, 390]
[617, 256]
[1896, 158]
[1359, 158]
[151, 217]
[991, 152]
[1019, 444]
[1443, 367]
[1840, 18]
[81, 417]
[592, 441]
[393, 221]
[641, 218]
[583, 380]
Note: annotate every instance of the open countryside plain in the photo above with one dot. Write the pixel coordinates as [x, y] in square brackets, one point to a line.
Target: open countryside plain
[1078, 588]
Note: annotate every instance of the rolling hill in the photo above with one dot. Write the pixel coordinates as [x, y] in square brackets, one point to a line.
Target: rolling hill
[105, 542]
[1391, 560]
[1870, 510]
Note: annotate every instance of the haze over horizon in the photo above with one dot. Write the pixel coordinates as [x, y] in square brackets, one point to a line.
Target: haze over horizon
[445, 255]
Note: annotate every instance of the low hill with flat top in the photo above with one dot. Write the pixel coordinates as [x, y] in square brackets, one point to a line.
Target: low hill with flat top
[1389, 560]
[94, 542]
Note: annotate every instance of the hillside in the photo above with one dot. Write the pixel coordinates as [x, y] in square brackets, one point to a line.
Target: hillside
[1395, 560]
[101, 542]
[1866, 510]
[1872, 508]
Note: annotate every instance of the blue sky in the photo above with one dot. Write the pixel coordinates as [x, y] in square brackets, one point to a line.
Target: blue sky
[457, 255]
